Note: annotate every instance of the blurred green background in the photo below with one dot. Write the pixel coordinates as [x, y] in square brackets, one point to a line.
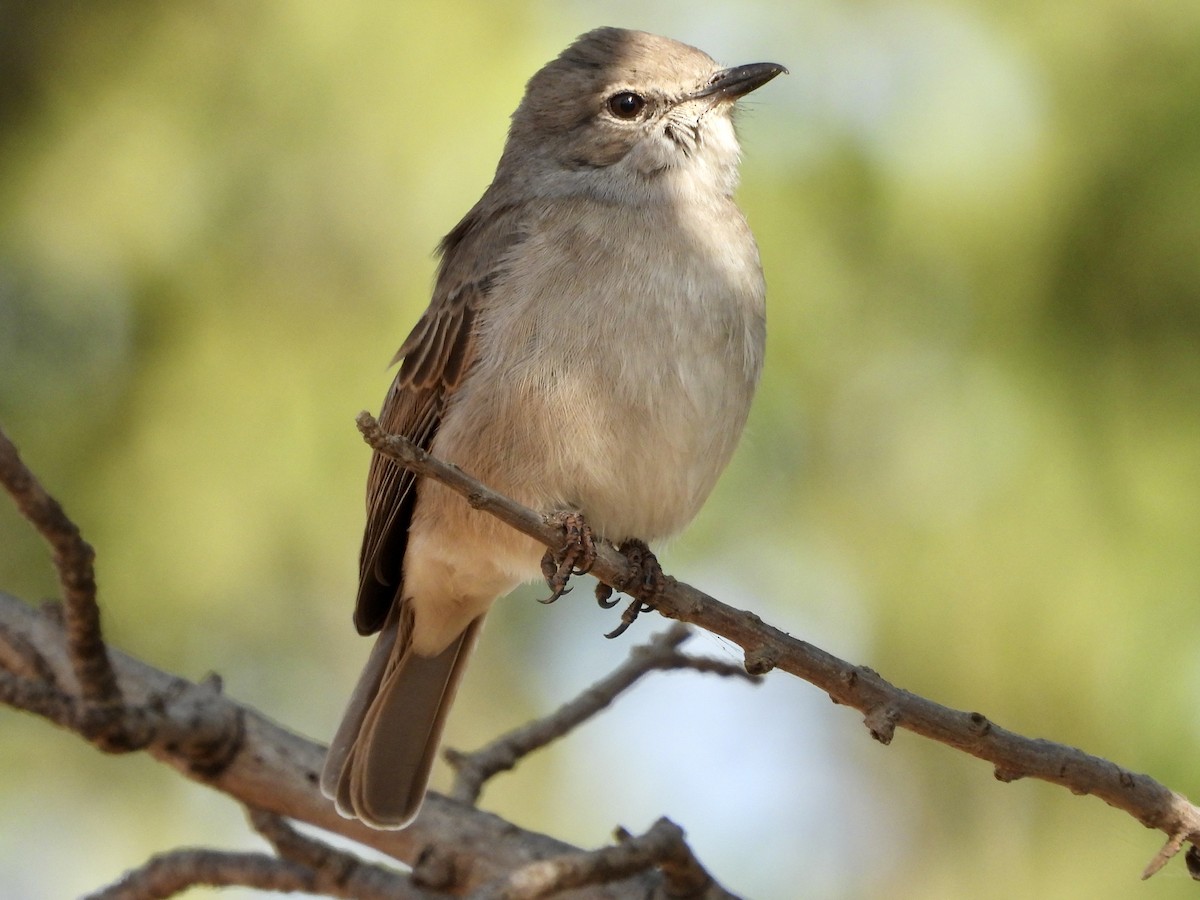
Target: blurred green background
[974, 464]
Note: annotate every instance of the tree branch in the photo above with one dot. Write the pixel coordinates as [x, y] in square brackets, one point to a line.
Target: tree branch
[663, 846]
[231, 748]
[173, 873]
[452, 846]
[332, 870]
[885, 706]
[660, 653]
[73, 558]
[56, 665]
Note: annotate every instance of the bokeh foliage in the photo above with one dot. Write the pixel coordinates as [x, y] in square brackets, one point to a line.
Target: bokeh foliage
[974, 464]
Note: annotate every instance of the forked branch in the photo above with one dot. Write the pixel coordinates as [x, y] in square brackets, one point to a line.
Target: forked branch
[885, 707]
[661, 653]
[73, 558]
[229, 747]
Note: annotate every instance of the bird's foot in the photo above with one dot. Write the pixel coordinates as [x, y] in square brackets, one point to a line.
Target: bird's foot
[647, 582]
[576, 557]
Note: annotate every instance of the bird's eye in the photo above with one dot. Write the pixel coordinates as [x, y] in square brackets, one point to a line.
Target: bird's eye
[626, 105]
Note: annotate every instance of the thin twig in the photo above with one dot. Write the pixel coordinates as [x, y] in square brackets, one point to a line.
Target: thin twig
[181, 719]
[1173, 845]
[39, 698]
[22, 659]
[662, 846]
[660, 653]
[168, 874]
[73, 559]
[333, 870]
[885, 706]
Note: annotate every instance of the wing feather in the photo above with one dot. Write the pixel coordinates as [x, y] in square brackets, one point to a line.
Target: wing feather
[434, 360]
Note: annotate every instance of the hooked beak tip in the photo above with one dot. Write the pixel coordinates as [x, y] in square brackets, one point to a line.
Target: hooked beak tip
[738, 81]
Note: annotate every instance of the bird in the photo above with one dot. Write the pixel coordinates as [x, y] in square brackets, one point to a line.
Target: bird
[592, 346]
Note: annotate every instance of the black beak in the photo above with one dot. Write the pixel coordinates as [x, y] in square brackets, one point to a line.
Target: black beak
[740, 80]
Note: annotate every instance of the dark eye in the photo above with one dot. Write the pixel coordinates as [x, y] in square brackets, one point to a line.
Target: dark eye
[626, 105]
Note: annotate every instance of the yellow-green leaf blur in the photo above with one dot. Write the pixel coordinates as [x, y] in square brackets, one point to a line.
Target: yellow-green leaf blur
[973, 465]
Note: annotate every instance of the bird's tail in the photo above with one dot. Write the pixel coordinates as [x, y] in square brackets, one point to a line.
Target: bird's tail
[379, 762]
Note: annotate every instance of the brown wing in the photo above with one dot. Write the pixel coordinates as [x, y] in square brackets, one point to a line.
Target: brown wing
[434, 359]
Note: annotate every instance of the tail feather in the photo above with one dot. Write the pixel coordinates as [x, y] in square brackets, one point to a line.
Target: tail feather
[380, 759]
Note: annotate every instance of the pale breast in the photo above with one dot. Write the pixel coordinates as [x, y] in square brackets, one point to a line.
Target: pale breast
[617, 360]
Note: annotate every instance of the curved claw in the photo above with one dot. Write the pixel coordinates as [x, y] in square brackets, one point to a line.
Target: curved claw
[557, 593]
[604, 594]
[619, 630]
[629, 616]
[577, 556]
[646, 572]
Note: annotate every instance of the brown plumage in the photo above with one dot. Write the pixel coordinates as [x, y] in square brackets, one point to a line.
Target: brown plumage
[393, 725]
[593, 343]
